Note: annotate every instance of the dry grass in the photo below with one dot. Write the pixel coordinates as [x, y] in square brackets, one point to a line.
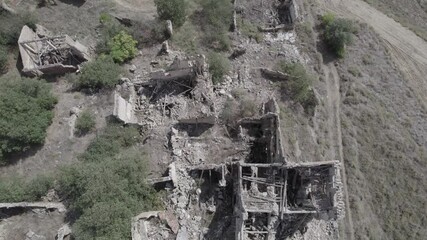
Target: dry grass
[383, 143]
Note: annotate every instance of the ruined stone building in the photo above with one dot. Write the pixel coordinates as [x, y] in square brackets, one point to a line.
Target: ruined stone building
[45, 53]
[247, 184]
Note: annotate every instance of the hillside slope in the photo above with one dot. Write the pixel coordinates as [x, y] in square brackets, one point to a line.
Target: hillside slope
[384, 144]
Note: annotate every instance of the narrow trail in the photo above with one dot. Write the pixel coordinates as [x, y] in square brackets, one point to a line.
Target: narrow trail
[332, 81]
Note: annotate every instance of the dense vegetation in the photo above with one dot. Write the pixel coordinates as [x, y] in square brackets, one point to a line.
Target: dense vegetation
[338, 33]
[299, 85]
[218, 66]
[116, 40]
[26, 112]
[123, 47]
[18, 190]
[85, 123]
[217, 16]
[107, 187]
[174, 10]
[100, 73]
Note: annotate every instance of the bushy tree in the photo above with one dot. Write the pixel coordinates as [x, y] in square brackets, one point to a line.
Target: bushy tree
[26, 112]
[174, 10]
[123, 47]
[85, 122]
[100, 73]
[338, 33]
[107, 187]
[218, 66]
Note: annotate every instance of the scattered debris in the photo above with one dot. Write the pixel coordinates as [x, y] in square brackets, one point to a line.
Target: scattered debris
[237, 52]
[154, 225]
[132, 68]
[33, 236]
[274, 75]
[63, 232]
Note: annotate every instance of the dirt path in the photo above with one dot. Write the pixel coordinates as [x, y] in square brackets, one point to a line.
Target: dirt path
[332, 81]
[409, 52]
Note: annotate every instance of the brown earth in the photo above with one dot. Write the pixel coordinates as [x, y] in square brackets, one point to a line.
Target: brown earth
[394, 95]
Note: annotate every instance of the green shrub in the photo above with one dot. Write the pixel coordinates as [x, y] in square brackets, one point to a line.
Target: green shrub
[328, 18]
[12, 190]
[187, 38]
[11, 25]
[100, 73]
[85, 123]
[174, 10]
[38, 187]
[250, 30]
[3, 58]
[217, 17]
[218, 66]
[16, 189]
[219, 41]
[26, 111]
[299, 84]
[114, 138]
[108, 186]
[123, 47]
[109, 28]
[218, 13]
[338, 33]
[104, 18]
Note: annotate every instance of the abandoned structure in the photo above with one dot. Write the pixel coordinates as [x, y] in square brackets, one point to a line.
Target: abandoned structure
[255, 193]
[43, 53]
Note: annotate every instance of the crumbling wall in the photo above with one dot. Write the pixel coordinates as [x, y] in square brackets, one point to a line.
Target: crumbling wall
[124, 110]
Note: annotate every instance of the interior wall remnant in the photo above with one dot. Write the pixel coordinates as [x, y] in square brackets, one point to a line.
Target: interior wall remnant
[124, 110]
[288, 12]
